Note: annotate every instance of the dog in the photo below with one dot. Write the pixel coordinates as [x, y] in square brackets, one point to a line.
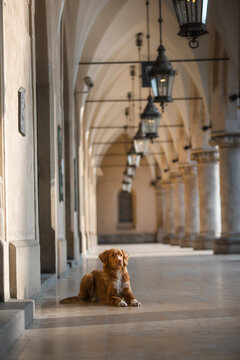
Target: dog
[110, 286]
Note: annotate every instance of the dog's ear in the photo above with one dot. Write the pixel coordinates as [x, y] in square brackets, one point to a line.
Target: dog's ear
[125, 257]
[104, 257]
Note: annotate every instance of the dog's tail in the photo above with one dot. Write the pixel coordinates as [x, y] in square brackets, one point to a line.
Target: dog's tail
[86, 291]
[71, 299]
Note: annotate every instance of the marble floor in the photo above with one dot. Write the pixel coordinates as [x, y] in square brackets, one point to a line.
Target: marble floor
[190, 310]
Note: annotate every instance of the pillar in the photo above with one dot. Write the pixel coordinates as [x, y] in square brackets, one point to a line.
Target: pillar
[209, 197]
[229, 151]
[169, 215]
[161, 212]
[43, 85]
[179, 210]
[189, 173]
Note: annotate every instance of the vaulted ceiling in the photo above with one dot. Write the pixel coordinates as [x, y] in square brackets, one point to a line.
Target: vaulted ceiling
[105, 30]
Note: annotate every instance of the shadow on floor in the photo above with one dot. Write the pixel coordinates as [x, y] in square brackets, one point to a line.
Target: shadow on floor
[130, 318]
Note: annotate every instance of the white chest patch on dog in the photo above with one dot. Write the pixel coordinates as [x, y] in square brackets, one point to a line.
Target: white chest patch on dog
[118, 282]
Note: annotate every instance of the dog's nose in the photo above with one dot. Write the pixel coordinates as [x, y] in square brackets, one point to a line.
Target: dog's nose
[119, 261]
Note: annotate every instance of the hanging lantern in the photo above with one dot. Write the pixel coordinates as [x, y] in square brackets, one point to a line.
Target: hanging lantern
[133, 158]
[131, 170]
[127, 178]
[140, 142]
[150, 119]
[162, 74]
[126, 186]
[192, 18]
[162, 78]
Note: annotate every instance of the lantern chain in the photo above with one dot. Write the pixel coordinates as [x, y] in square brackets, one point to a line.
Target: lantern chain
[160, 20]
[148, 37]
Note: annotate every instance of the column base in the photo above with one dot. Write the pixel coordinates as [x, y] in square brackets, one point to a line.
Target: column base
[160, 235]
[203, 243]
[226, 245]
[175, 241]
[24, 262]
[187, 241]
[62, 257]
[76, 249]
[168, 238]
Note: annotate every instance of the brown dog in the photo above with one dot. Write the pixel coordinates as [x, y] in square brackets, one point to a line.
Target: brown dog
[111, 285]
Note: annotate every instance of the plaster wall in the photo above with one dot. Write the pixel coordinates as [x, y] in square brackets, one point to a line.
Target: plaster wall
[19, 151]
[21, 254]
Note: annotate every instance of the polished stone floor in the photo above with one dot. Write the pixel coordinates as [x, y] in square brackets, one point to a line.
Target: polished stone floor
[191, 310]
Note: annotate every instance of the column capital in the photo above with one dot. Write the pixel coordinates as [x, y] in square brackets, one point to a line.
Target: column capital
[205, 156]
[175, 177]
[225, 140]
[166, 184]
[187, 169]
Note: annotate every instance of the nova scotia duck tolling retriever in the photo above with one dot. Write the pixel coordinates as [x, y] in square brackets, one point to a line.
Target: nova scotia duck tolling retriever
[109, 286]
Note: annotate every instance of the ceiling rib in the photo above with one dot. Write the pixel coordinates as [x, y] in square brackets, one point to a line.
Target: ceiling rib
[135, 100]
[140, 62]
[124, 154]
[130, 127]
[126, 142]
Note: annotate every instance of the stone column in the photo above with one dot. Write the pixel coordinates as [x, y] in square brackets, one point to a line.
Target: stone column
[189, 173]
[44, 80]
[169, 216]
[229, 150]
[209, 197]
[179, 211]
[161, 212]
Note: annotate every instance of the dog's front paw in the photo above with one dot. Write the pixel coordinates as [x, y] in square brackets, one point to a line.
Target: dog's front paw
[122, 303]
[134, 302]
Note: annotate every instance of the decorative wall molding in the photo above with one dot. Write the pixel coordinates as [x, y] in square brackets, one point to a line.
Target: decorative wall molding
[187, 169]
[176, 177]
[225, 140]
[205, 156]
[166, 184]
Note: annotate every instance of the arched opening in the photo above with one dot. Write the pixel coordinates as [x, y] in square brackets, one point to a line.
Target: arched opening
[125, 209]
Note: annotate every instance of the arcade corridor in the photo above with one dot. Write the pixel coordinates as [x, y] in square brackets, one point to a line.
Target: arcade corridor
[115, 130]
[190, 310]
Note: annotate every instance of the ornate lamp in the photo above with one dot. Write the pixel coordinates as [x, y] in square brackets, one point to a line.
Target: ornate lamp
[150, 119]
[162, 74]
[133, 158]
[140, 142]
[192, 17]
[130, 171]
[126, 177]
[126, 186]
[150, 116]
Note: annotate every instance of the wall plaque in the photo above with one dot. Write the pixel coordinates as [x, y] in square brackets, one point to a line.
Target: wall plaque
[21, 111]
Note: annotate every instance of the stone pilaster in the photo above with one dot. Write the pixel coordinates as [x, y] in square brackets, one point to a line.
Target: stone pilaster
[161, 212]
[209, 197]
[229, 150]
[189, 173]
[169, 215]
[179, 211]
